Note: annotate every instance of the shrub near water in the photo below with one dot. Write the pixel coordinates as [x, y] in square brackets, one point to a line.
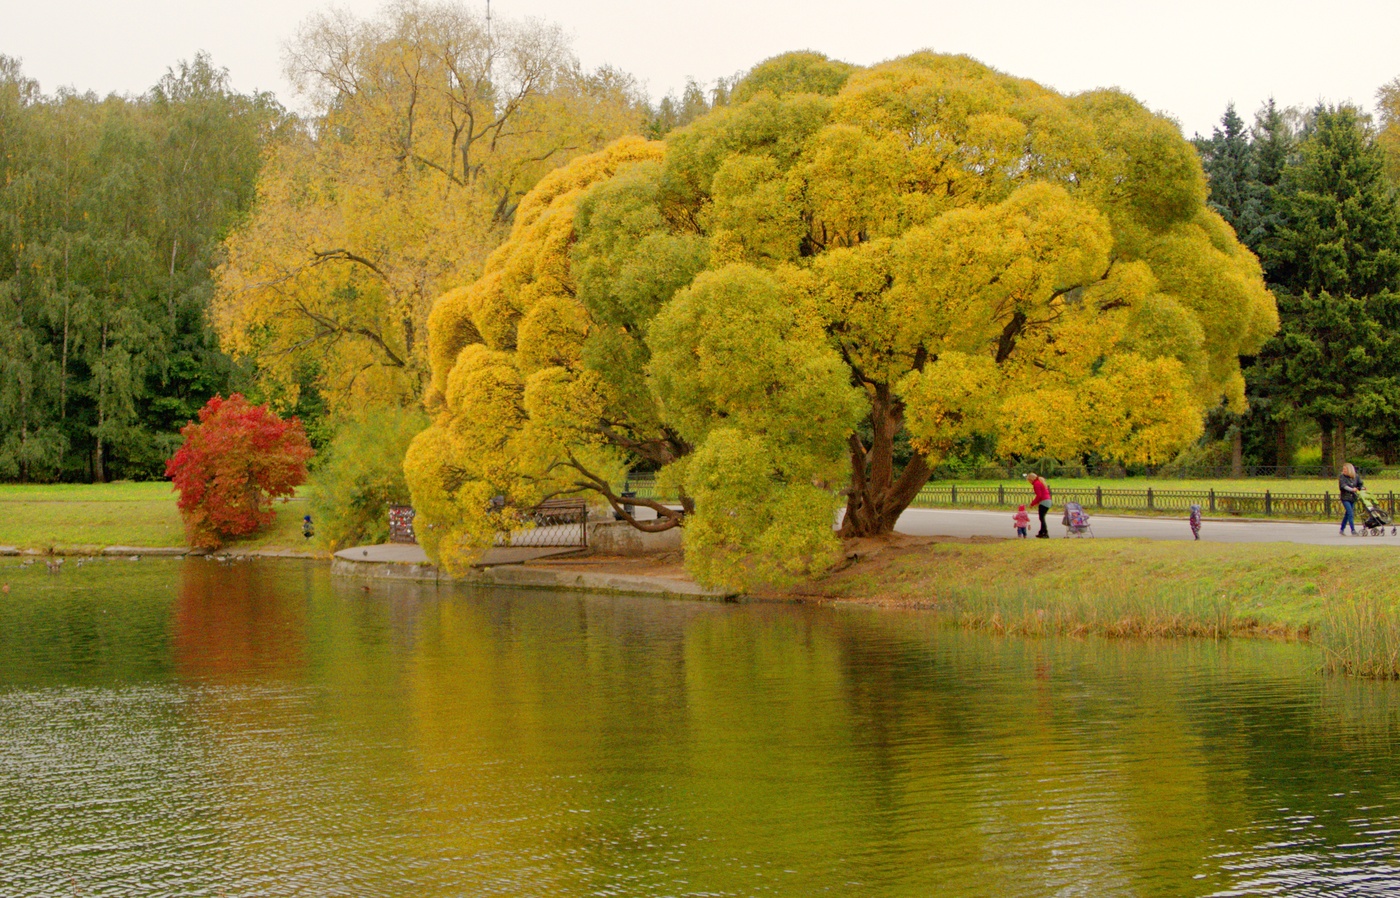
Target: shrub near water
[362, 476]
[233, 463]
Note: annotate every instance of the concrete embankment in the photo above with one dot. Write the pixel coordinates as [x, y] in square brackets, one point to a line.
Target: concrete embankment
[526, 568]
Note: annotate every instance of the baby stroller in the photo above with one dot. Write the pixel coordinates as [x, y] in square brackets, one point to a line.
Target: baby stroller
[1375, 519]
[1076, 521]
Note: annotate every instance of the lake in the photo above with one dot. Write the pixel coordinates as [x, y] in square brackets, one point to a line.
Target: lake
[259, 728]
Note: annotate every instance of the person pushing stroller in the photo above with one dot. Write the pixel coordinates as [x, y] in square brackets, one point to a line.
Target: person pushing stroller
[1349, 484]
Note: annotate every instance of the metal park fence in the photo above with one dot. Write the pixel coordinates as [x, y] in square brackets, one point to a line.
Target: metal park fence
[555, 522]
[1268, 504]
[1250, 504]
[1057, 470]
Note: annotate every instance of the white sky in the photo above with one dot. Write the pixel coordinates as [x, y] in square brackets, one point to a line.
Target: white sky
[1186, 58]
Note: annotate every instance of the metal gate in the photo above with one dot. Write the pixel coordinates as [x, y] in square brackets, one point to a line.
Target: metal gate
[555, 522]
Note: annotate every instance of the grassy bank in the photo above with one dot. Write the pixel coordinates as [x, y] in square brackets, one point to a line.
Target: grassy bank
[1342, 599]
[66, 516]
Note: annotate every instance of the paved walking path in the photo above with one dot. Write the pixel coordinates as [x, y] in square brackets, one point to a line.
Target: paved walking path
[961, 522]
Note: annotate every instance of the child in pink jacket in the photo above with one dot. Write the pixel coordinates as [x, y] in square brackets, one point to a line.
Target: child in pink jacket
[1022, 521]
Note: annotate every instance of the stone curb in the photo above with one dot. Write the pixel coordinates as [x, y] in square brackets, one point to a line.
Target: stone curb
[176, 551]
[153, 552]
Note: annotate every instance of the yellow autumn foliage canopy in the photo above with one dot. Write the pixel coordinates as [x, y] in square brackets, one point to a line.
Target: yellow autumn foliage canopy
[762, 306]
[429, 127]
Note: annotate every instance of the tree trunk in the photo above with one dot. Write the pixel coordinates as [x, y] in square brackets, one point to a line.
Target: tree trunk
[1339, 446]
[877, 496]
[1281, 456]
[63, 367]
[99, 472]
[1325, 424]
[1236, 451]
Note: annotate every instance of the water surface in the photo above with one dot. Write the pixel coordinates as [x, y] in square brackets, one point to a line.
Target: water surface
[190, 728]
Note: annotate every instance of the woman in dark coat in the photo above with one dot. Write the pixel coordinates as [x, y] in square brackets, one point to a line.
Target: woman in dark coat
[1348, 485]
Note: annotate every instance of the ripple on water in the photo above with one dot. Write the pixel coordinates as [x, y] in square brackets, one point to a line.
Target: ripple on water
[283, 736]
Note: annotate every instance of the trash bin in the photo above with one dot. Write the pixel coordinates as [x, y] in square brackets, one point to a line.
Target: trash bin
[626, 506]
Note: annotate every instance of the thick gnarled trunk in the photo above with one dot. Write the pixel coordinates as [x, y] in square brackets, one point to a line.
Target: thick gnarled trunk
[878, 495]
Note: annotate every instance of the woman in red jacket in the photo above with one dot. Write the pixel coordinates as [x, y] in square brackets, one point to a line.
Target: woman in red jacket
[1042, 502]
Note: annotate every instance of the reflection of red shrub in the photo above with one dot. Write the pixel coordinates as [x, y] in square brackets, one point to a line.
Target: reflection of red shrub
[237, 623]
[234, 462]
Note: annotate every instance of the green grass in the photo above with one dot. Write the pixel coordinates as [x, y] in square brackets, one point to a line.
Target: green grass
[1328, 595]
[54, 516]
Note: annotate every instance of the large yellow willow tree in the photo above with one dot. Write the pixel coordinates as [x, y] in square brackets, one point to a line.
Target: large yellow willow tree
[429, 126]
[767, 304]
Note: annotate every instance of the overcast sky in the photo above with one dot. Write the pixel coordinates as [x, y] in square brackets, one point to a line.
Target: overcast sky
[1186, 58]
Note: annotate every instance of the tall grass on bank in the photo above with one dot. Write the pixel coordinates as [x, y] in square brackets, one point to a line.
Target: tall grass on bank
[1361, 638]
[1152, 589]
[1118, 612]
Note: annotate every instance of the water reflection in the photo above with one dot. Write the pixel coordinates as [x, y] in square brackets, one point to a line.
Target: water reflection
[236, 623]
[260, 729]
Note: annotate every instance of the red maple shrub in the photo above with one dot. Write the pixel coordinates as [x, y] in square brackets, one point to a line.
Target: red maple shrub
[233, 463]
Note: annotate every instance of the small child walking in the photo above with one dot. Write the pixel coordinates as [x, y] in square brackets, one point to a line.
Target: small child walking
[1196, 521]
[1022, 521]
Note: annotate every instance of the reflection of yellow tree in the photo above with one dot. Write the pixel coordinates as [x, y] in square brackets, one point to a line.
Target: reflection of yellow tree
[429, 127]
[539, 744]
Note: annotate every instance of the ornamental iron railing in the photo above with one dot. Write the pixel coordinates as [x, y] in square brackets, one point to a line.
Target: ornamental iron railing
[552, 523]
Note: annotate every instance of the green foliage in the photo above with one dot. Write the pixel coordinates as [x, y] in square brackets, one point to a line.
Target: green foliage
[1232, 172]
[1338, 357]
[1331, 246]
[754, 523]
[111, 216]
[1342, 231]
[361, 475]
[676, 112]
[793, 73]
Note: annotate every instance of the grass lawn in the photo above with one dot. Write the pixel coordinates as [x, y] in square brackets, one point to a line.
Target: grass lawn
[115, 514]
[1329, 595]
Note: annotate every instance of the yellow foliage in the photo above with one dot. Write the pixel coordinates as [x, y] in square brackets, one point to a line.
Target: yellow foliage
[530, 267]
[760, 306]
[508, 384]
[428, 128]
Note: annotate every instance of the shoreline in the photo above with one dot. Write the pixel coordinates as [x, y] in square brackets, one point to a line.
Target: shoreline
[1111, 588]
[90, 551]
[1115, 588]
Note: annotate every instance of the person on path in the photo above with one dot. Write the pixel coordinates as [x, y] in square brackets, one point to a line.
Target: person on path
[1348, 485]
[1042, 501]
[1022, 521]
[1196, 520]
